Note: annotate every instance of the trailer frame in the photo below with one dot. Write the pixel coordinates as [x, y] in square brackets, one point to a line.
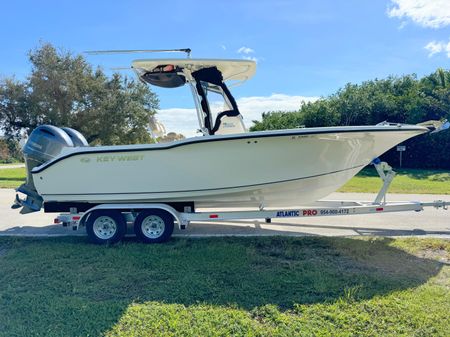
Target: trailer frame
[380, 205]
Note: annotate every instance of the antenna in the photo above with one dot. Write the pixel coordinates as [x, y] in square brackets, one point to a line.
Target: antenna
[121, 68]
[130, 51]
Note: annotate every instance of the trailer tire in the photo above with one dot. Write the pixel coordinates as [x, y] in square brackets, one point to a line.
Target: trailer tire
[154, 226]
[106, 226]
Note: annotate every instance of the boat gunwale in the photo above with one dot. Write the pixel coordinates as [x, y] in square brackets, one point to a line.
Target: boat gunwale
[217, 138]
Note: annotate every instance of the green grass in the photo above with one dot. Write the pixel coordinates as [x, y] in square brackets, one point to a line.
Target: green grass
[410, 181]
[10, 162]
[225, 287]
[12, 177]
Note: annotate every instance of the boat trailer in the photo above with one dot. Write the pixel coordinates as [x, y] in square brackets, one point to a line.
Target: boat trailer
[157, 225]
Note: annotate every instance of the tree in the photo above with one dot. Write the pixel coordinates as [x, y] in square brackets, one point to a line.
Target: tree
[171, 137]
[320, 113]
[278, 120]
[64, 90]
[10, 151]
[4, 151]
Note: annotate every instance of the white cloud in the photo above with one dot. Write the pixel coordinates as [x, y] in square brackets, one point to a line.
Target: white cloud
[179, 120]
[436, 47]
[426, 13]
[402, 25]
[185, 120]
[223, 47]
[252, 107]
[245, 50]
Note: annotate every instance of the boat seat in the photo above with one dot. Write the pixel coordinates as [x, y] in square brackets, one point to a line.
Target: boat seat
[228, 122]
[229, 113]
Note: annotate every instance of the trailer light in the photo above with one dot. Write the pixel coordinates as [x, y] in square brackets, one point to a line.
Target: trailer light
[76, 218]
[56, 221]
[380, 209]
[213, 216]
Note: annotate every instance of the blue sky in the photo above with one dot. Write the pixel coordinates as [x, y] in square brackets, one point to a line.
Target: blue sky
[304, 49]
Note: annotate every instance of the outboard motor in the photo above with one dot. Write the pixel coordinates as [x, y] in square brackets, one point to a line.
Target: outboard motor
[45, 143]
[76, 137]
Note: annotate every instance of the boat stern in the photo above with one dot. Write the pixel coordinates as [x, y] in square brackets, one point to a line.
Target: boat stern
[44, 144]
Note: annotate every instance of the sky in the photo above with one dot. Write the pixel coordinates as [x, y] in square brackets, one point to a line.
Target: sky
[304, 49]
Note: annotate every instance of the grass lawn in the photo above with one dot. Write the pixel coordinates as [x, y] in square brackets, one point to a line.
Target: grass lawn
[410, 181]
[269, 286]
[12, 177]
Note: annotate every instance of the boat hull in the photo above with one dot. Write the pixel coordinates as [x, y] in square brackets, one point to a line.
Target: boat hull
[269, 169]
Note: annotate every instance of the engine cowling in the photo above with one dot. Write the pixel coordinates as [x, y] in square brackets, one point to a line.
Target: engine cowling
[44, 144]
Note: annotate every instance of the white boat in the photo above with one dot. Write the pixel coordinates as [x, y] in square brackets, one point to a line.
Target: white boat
[224, 167]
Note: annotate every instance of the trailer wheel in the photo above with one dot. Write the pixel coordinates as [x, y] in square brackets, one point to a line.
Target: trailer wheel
[106, 226]
[153, 226]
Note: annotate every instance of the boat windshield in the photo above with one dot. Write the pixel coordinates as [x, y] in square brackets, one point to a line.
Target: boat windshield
[215, 99]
